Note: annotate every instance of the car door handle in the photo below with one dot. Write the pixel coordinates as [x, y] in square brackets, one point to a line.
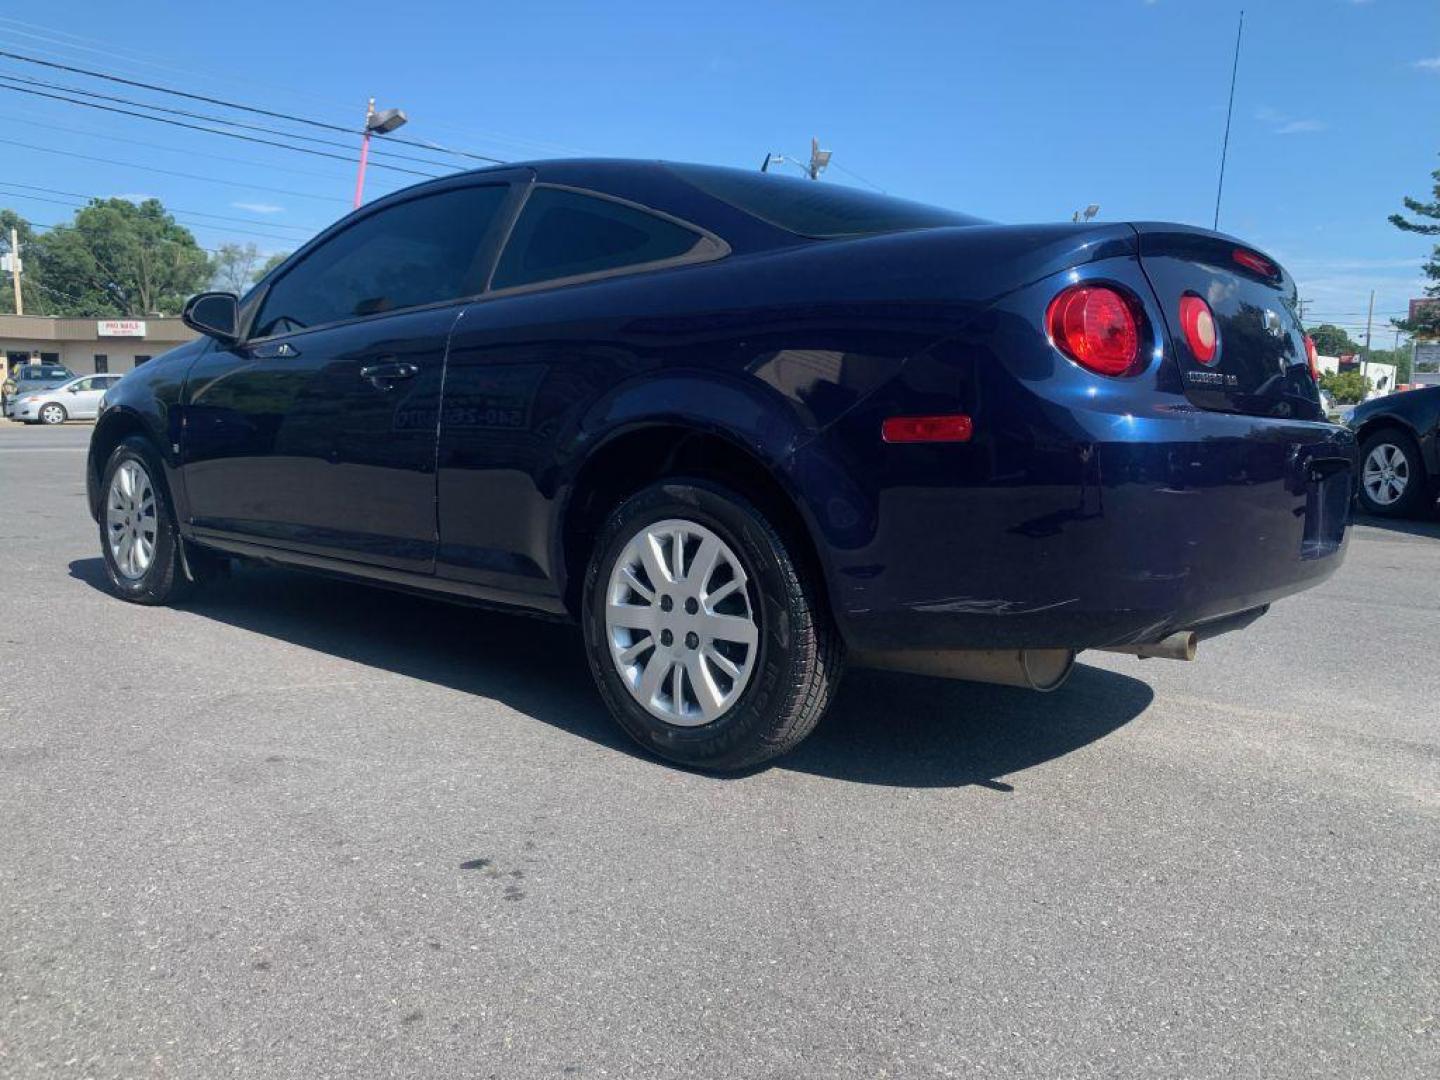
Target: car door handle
[386, 373]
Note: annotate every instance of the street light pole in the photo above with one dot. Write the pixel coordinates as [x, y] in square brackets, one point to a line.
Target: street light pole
[364, 154]
[376, 123]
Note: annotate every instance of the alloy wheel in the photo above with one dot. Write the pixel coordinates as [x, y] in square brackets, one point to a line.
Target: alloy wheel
[1386, 474]
[680, 624]
[130, 521]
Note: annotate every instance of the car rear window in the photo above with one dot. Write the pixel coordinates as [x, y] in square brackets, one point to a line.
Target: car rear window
[38, 372]
[821, 211]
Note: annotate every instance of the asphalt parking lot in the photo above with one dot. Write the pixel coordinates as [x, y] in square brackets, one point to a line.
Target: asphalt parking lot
[305, 829]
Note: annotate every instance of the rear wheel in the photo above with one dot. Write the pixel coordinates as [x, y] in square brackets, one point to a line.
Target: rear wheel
[1393, 482]
[52, 414]
[708, 642]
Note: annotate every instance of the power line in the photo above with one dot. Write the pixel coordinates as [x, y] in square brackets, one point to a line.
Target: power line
[309, 230]
[53, 37]
[214, 119]
[172, 172]
[208, 131]
[174, 214]
[42, 226]
[255, 109]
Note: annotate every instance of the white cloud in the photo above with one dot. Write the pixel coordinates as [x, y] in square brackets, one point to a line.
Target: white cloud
[1281, 124]
[1431, 64]
[259, 207]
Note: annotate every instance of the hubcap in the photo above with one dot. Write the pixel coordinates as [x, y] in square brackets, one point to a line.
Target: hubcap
[682, 632]
[1386, 474]
[51, 414]
[130, 521]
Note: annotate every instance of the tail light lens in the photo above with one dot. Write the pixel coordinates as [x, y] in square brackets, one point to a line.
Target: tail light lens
[1197, 322]
[1255, 263]
[1095, 326]
[1311, 358]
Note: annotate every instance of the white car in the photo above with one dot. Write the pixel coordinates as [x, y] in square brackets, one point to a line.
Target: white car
[78, 399]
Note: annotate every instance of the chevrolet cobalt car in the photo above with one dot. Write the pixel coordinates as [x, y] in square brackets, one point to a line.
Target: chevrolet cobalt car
[743, 428]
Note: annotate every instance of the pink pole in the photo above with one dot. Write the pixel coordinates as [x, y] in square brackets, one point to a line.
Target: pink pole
[360, 174]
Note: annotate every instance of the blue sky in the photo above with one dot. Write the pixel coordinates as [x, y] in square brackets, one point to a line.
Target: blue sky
[1018, 111]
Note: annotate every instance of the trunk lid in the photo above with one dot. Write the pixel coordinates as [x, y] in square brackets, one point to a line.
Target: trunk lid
[1261, 368]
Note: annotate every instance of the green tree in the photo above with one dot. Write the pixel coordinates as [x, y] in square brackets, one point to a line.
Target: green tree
[270, 263]
[233, 269]
[1346, 387]
[1330, 340]
[117, 258]
[1427, 322]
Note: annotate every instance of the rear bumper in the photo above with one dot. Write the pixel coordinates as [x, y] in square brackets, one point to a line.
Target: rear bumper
[1176, 519]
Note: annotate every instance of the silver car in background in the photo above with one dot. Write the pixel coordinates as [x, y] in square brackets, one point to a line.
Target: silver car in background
[78, 399]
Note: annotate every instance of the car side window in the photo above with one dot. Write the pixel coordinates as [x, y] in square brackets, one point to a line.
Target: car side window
[420, 251]
[564, 234]
[85, 384]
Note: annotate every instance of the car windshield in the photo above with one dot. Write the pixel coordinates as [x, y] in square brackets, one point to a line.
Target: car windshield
[817, 210]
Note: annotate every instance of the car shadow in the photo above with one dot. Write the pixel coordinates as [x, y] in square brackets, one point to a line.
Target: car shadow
[1427, 524]
[883, 728]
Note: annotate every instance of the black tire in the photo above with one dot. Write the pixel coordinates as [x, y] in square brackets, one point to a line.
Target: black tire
[1418, 494]
[799, 652]
[169, 576]
[53, 413]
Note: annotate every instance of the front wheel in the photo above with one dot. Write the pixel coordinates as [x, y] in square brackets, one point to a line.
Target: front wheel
[709, 643]
[137, 527]
[52, 414]
[1393, 482]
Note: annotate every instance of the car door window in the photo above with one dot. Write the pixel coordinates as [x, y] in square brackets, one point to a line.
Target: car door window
[421, 251]
[84, 384]
[565, 234]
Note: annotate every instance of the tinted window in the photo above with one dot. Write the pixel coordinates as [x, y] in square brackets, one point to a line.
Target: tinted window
[563, 234]
[141, 360]
[102, 362]
[816, 209]
[417, 252]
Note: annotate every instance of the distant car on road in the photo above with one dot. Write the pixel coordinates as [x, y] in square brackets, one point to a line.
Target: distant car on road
[78, 399]
[31, 377]
[740, 426]
[1399, 452]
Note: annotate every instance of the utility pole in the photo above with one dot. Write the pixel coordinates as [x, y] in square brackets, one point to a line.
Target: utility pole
[1302, 304]
[15, 271]
[1370, 318]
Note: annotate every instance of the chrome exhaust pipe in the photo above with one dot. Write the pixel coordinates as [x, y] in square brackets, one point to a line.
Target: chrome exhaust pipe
[1180, 645]
[1033, 669]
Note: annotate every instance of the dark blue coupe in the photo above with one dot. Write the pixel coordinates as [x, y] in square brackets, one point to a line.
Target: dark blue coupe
[742, 427]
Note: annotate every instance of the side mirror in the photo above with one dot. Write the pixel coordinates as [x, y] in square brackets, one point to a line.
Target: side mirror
[73, 389]
[214, 314]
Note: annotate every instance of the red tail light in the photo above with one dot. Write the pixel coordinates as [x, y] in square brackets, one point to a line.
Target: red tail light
[1259, 264]
[1197, 322]
[1311, 358]
[905, 429]
[1095, 326]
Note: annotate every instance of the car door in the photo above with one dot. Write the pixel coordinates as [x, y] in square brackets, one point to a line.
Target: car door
[526, 362]
[316, 432]
[84, 398]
